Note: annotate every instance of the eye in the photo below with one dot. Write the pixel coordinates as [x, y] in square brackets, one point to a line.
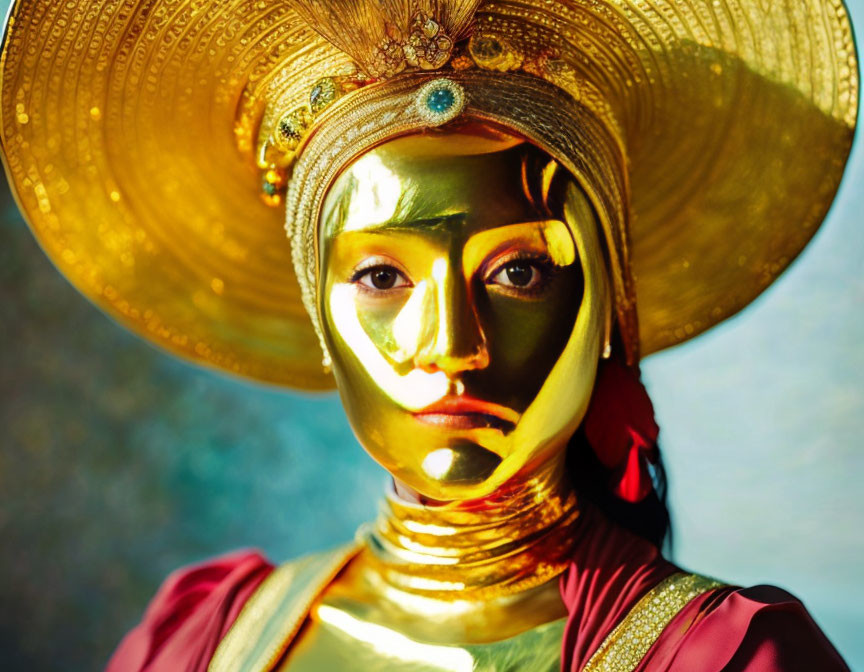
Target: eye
[521, 274]
[380, 278]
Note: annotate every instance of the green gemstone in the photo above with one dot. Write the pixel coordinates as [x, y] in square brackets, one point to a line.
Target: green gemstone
[269, 188]
[291, 128]
[322, 94]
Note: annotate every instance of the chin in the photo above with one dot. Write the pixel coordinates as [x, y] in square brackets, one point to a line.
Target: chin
[462, 471]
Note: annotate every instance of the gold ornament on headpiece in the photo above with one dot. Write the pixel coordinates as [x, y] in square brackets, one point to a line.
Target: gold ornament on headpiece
[386, 37]
[383, 39]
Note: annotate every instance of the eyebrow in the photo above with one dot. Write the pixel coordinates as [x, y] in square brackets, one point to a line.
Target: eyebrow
[428, 223]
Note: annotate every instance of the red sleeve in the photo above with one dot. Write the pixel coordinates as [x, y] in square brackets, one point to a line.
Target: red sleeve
[190, 614]
[758, 629]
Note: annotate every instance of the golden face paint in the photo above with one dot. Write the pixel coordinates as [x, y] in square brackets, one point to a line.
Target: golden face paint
[464, 325]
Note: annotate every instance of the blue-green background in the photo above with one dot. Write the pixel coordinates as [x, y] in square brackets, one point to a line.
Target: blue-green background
[119, 463]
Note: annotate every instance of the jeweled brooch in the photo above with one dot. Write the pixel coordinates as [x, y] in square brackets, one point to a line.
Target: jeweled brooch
[440, 101]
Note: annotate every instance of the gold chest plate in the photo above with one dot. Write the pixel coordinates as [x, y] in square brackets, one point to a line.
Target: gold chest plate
[335, 639]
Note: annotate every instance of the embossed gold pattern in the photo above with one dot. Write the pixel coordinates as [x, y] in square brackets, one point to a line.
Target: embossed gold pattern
[130, 133]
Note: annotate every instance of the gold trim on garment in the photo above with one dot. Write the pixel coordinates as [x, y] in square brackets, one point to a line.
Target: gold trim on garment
[271, 618]
[626, 646]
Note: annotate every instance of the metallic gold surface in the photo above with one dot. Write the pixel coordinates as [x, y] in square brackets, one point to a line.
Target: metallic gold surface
[705, 141]
[387, 36]
[131, 133]
[472, 368]
[449, 586]
[626, 646]
[433, 587]
[517, 539]
[358, 621]
[338, 638]
[441, 620]
[459, 313]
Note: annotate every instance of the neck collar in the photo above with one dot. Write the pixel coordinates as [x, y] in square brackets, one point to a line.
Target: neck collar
[518, 538]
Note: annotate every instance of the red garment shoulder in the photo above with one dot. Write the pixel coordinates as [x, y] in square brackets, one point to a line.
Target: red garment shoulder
[757, 629]
[189, 615]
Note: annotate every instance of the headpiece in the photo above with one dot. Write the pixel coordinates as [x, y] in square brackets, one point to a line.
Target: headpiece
[709, 136]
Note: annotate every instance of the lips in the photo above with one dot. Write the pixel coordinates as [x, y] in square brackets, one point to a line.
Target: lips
[463, 412]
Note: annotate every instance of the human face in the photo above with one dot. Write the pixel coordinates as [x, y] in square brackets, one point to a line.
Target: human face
[464, 326]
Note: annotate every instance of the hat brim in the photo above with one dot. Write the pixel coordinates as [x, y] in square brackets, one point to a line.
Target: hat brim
[129, 132]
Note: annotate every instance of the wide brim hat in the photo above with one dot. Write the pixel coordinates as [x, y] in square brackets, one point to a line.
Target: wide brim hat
[132, 138]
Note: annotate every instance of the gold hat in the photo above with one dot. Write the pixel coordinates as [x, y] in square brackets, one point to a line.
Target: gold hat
[135, 136]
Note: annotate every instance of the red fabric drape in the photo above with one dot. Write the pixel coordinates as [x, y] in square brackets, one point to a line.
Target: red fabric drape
[758, 629]
[190, 614]
[610, 571]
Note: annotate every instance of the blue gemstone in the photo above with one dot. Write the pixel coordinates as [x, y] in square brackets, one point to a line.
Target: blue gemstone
[440, 100]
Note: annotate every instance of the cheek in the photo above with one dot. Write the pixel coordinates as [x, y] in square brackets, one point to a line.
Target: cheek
[361, 342]
[376, 320]
[526, 337]
[400, 324]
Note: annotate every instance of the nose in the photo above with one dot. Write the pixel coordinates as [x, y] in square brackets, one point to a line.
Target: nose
[457, 343]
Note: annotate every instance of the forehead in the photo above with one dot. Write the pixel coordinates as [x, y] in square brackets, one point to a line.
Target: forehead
[474, 179]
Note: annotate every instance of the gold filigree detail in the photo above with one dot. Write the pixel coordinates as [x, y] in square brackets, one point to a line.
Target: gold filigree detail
[388, 37]
[290, 128]
[272, 187]
[440, 101]
[426, 47]
[385, 39]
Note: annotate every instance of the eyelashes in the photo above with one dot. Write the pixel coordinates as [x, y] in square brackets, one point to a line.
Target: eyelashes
[519, 273]
[522, 273]
[379, 274]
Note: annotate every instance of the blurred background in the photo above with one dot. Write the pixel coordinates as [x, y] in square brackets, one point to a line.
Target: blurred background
[119, 464]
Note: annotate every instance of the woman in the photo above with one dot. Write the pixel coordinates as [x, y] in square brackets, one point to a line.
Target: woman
[494, 209]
